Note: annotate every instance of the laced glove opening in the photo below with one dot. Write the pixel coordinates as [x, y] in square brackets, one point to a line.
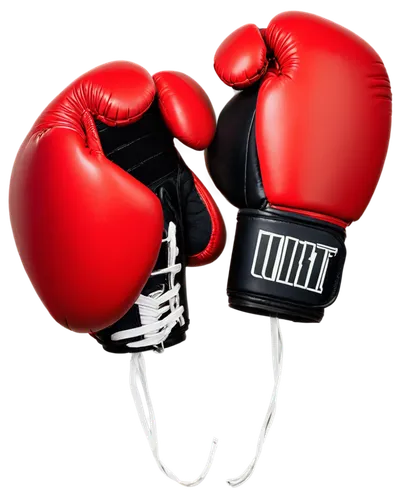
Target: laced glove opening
[159, 312]
[154, 330]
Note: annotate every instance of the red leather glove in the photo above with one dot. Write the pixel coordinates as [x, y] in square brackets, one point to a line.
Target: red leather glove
[88, 228]
[299, 151]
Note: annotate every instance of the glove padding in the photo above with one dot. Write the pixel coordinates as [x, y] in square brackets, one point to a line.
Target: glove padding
[88, 233]
[70, 207]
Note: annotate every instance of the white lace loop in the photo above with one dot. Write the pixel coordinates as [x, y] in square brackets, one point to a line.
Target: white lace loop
[153, 332]
[277, 355]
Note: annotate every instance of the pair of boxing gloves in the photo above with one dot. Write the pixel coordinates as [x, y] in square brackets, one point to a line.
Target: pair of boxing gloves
[106, 215]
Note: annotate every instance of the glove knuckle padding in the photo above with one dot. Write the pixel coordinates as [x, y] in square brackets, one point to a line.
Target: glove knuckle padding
[241, 58]
[186, 109]
[121, 92]
[331, 102]
[70, 207]
[327, 95]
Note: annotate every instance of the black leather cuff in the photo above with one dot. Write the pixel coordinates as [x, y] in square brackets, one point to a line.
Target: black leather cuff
[285, 265]
[177, 335]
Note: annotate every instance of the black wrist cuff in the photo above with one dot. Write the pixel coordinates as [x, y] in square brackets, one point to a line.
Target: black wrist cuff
[285, 265]
[177, 335]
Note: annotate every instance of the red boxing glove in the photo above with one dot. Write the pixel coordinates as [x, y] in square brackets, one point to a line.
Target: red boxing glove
[300, 152]
[88, 233]
[88, 228]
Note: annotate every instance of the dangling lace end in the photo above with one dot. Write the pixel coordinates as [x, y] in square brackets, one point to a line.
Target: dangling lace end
[277, 360]
[159, 312]
[145, 413]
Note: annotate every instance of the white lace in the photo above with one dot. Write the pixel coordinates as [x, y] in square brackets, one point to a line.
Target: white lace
[151, 307]
[154, 332]
[138, 371]
[277, 355]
